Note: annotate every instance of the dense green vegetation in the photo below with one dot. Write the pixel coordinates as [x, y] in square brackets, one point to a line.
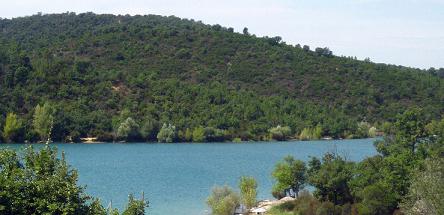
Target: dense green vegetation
[123, 77]
[38, 182]
[406, 176]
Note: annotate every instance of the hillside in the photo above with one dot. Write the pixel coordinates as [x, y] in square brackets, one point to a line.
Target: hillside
[98, 70]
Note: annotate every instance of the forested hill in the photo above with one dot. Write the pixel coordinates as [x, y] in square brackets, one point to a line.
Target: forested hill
[96, 71]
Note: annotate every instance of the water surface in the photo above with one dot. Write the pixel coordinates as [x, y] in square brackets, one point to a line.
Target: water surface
[177, 178]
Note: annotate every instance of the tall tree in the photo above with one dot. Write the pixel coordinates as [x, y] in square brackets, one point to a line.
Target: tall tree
[167, 133]
[12, 129]
[426, 192]
[290, 175]
[128, 130]
[331, 179]
[43, 121]
[248, 191]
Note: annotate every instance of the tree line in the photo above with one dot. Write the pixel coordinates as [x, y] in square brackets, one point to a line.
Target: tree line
[42, 124]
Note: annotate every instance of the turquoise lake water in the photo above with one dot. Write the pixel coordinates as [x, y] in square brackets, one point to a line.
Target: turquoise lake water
[177, 178]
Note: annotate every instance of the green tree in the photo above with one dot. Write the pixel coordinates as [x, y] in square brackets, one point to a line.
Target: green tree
[43, 121]
[167, 133]
[290, 176]
[377, 199]
[426, 192]
[199, 134]
[363, 130]
[12, 129]
[135, 207]
[97, 208]
[149, 129]
[223, 201]
[280, 132]
[38, 182]
[188, 135]
[331, 179]
[311, 133]
[245, 31]
[248, 191]
[128, 130]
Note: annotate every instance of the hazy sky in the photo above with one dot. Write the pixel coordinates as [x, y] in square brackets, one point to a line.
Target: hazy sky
[406, 32]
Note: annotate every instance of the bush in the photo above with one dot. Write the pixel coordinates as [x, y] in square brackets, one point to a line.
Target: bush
[199, 134]
[12, 132]
[328, 208]
[167, 133]
[223, 201]
[128, 130]
[248, 190]
[311, 133]
[278, 193]
[280, 133]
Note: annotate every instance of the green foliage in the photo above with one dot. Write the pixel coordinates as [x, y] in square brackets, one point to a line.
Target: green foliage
[280, 132]
[128, 130]
[426, 192]
[311, 133]
[248, 191]
[199, 134]
[223, 201]
[38, 182]
[372, 132]
[435, 130]
[331, 179]
[167, 133]
[97, 208]
[407, 173]
[149, 129]
[363, 130]
[290, 176]
[306, 204]
[12, 129]
[135, 207]
[43, 121]
[376, 199]
[208, 134]
[191, 75]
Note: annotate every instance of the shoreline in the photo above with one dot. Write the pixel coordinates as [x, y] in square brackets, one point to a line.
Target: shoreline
[225, 142]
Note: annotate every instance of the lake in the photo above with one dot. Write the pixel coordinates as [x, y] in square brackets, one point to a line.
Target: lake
[177, 178]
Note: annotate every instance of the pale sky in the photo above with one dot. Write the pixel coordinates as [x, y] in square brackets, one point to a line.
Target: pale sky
[403, 32]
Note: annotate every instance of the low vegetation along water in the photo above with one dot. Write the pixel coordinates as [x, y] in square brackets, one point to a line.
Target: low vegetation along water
[177, 178]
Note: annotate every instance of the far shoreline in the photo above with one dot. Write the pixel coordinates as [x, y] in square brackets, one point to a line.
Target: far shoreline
[190, 143]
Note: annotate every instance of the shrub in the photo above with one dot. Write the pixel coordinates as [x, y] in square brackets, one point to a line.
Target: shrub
[128, 130]
[223, 201]
[311, 133]
[199, 134]
[12, 131]
[280, 132]
[167, 133]
[248, 190]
